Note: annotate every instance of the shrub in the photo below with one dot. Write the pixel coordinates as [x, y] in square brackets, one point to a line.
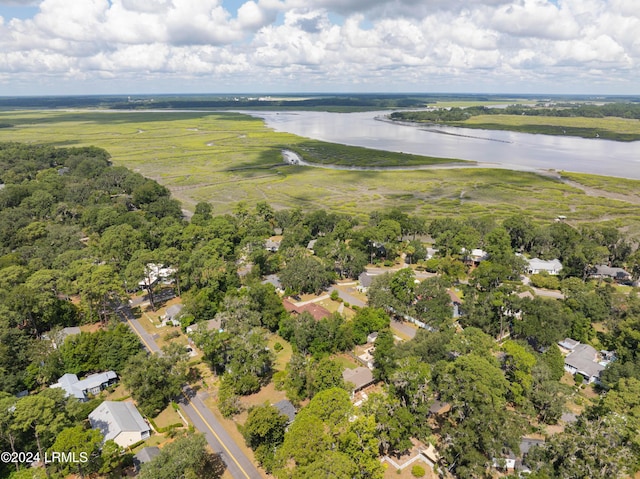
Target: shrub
[418, 471]
[278, 347]
[334, 295]
[171, 335]
[545, 280]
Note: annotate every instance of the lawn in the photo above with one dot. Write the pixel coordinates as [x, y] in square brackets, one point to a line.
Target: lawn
[282, 357]
[168, 417]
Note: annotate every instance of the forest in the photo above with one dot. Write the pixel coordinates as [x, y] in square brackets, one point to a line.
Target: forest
[77, 235]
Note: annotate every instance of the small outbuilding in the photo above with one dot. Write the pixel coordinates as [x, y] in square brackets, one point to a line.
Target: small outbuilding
[146, 454]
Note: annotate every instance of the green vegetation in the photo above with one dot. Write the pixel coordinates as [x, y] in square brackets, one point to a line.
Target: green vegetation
[615, 121]
[322, 153]
[73, 226]
[225, 158]
[187, 456]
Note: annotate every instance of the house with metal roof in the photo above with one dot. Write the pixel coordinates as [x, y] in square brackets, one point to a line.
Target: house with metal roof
[82, 388]
[121, 422]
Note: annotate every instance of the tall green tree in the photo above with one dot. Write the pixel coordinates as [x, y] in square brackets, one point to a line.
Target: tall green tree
[83, 445]
[264, 431]
[186, 457]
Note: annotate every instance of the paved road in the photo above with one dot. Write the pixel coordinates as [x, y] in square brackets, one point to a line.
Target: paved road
[238, 464]
[147, 340]
[347, 297]
[403, 328]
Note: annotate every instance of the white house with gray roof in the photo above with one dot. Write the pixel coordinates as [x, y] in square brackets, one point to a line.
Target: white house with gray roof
[82, 388]
[537, 266]
[583, 359]
[121, 422]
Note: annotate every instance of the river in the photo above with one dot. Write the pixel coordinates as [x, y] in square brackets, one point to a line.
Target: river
[490, 148]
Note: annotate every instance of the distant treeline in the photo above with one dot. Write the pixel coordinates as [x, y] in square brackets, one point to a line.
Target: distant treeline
[620, 110]
[345, 102]
[293, 100]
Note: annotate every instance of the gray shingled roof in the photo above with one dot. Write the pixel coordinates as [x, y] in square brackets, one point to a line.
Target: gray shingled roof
[146, 454]
[173, 311]
[76, 388]
[584, 359]
[286, 408]
[360, 377]
[112, 418]
[365, 279]
[604, 270]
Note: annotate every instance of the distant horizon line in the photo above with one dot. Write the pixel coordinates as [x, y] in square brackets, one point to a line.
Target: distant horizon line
[325, 93]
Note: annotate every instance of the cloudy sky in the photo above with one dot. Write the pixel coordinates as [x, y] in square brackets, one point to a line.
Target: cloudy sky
[190, 46]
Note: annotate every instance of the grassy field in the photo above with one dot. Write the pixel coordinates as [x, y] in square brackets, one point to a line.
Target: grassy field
[226, 158]
[610, 128]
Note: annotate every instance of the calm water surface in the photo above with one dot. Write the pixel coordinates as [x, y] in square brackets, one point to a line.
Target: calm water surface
[519, 151]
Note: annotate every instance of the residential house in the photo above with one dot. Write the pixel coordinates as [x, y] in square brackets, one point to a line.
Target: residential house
[273, 243]
[617, 274]
[431, 252]
[121, 422]
[438, 408]
[537, 266]
[172, 314]
[274, 279]
[360, 377]
[513, 462]
[318, 312]
[209, 325]
[582, 359]
[286, 408]
[475, 256]
[154, 273]
[59, 337]
[365, 280]
[91, 385]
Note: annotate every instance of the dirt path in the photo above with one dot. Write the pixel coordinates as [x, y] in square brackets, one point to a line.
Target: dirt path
[590, 191]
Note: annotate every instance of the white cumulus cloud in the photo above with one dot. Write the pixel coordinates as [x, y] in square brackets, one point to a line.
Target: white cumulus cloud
[326, 44]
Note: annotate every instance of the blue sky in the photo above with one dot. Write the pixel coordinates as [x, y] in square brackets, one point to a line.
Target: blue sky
[253, 46]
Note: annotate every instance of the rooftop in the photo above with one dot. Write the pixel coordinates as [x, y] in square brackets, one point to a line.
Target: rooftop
[286, 408]
[77, 388]
[112, 418]
[360, 377]
[584, 358]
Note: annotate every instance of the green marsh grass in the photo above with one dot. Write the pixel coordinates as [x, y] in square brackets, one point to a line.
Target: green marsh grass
[620, 129]
[224, 158]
